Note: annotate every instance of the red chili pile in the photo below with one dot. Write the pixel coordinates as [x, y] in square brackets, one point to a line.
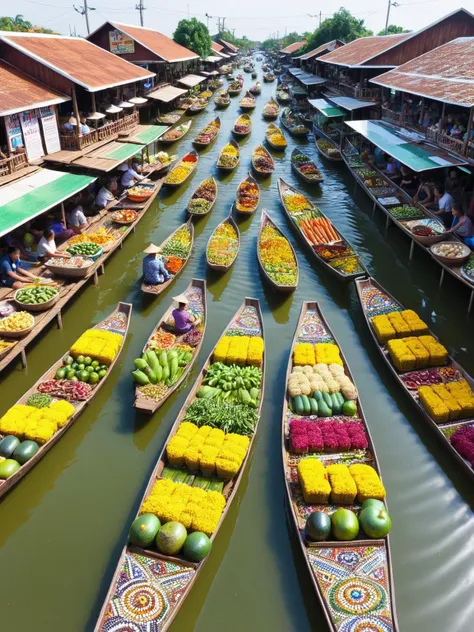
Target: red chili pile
[67, 389]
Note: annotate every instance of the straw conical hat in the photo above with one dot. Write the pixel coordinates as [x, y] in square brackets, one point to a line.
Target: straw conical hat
[152, 250]
[181, 298]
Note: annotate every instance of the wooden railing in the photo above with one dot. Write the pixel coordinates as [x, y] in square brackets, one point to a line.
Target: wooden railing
[76, 143]
[12, 164]
[356, 92]
[447, 142]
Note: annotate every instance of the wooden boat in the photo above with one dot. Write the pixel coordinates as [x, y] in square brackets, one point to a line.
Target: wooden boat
[222, 100]
[328, 150]
[242, 194]
[186, 102]
[196, 295]
[248, 68]
[256, 89]
[194, 153]
[271, 130]
[304, 161]
[344, 574]
[222, 167]
[375, 300]
[169, 118]
[234, 88]
[207, 189]
[224, 267]
[254, 75]
[160, 288]
[265, 220]
[169, 137]
[336, 254]
[118, 321]
[243, 119]
[271, 109]
[168, 580]
[269, 77]
[293, 124]
[198, 106]
[247, 102]
[211, 130]
[260, 151]
[283, 96]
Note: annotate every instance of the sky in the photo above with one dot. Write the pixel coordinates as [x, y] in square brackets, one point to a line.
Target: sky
[257, 20]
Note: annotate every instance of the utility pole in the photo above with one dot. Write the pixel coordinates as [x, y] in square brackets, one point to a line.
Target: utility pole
[84, 11]
[223, 25]
[139, 7]
[390, 4]
[320, 19]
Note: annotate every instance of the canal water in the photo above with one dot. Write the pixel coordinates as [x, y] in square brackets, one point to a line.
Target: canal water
[62, 528]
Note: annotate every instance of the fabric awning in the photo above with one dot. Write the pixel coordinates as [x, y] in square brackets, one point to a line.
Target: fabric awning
[310, 80]
[166, 94]
[348, 103]
[109, 156]
[191, 80]
[28, 197]
[221, 54]
[407, 147]
[326, 109]
[145, 134]
[212, 59]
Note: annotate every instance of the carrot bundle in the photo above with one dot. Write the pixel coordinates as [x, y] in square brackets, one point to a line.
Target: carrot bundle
[319, 231]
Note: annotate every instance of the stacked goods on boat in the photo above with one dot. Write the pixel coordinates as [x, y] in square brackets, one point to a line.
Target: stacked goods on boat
[248, 196]
[275, 137]
[262, 161]
[305, 166]
[176, 250]
[223, 245]
[99, 237]
[185, 505]
[208, 134]
[327, 148]
[176, 133]
[229, 157]
[271, 109]
[182, 170]
[203, 198]
[277, 256]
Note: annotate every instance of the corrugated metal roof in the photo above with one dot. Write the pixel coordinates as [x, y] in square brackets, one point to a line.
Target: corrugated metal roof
[77, 59]
[157, 43]
[361, 50]
[445, 74]
[217, 47]
[18, 92]
[191, 80]
[292, 48]
[329, 46]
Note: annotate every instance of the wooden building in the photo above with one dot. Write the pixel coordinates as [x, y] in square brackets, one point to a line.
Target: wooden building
[309, 61]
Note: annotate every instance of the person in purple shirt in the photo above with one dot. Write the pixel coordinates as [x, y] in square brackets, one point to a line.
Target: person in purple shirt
[183, 320]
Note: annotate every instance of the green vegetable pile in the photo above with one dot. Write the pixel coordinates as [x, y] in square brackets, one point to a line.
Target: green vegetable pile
[232, 384]
[178, 475]
[405, 212]
[86, 248]
[176, 249]
[160, 367]
[237, 418]
[199, 206]
[83, 369]
[35, 295]
[39, 400]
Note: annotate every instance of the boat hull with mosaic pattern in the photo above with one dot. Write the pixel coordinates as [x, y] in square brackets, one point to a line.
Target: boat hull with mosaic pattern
[148, 588]
[353, 579]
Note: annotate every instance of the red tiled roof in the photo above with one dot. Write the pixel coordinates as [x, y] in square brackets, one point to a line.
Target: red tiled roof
[18, 92]
[444, 74]
[157, 43]
[362, 50]
[217, 47]
[231, 46]
[292, 48]
[329, 46]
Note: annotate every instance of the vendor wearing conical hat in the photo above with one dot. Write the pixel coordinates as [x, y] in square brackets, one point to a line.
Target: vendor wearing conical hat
[184, 321]
[154, 270]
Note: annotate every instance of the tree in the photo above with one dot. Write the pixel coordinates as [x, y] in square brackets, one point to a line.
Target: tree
[342, 25]
[194, 35]
[393, 29]
[19, 24]
[242, 43]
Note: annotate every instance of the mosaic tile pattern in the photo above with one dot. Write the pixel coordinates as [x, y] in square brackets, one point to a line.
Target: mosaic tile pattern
[375, 302]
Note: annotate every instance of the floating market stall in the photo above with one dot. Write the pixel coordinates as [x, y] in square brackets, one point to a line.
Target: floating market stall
[202, 463]
[276, 256]
[223, 245]
[333, 483]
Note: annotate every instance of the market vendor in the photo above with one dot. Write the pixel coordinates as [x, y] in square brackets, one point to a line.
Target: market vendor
[462, 226]
[130, 176]
[76, 219]
[425, 192]
[184, 321]
[106, 194]
[47, 246]
[154, 270]
[11, 273]
[442, 205]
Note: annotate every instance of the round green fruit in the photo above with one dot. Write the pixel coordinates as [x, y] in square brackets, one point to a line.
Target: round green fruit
[375, 522]
[196, 546]
[93, 378]
[95, 364]
[144, 530]
[80, 359]
[87, 360]
[345, 525]
[171, 538]
[84, 376]
[89, 369]
[373, 502]
[8, 467]
[70, 373]
[68, 360]
[318, 526]
[81, 366]
[25, 451]
[8, 445]
[349, 408]
[102, 373]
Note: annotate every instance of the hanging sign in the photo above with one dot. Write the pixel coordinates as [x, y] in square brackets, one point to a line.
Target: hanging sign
[50, 130]
[32, 135]
[15, 138]
[120, 43]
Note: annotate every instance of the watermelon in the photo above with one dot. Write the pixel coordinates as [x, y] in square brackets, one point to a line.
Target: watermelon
[143, 530]
[171, 538]
[8, 467]
[318, 526]
[196, 547]
[345, 525]
[8, 445]
[375, 522]
[25, 451]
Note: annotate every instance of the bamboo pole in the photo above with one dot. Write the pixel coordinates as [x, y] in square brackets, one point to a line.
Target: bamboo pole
[76, 110]
[468, 130]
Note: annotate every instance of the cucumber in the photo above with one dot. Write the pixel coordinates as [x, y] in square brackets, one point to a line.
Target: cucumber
[327, 399]
[314, 406]
[166, 373]
[336, 406]
[340, 398]
[307, 407]
[317, 395]
[163, 359]
[298, 404]
[290, 404]
[324, 410]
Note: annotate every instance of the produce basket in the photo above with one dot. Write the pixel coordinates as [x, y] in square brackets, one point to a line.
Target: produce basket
[35, 307]
[119, 217]
[9, 335]
[7, 350]
[99, 253]
[65, 271]
[433, 224]
[451, 261]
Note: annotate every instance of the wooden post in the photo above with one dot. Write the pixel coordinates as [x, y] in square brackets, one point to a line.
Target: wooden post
[59, 320]
[422, 111]
[94, 105]
[469, 126]
[412, 248]
[470, 302]
[443, 116]
[76, 110]
[63, 214]
[402, 119]
[23, 358]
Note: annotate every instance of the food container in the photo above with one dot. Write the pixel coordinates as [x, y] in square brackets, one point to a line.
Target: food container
[440, 251]
[8, 335]
[434, 225]
[99, 253]
[36, 307]
[6, 350]
[124, 217]
[70, 272]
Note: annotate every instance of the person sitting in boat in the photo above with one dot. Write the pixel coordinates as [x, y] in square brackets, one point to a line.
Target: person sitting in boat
[47, 246]
[443, 204]
[391, 168]
[106, 194]
[154, 270]
[462, 225]
[407, 181]
[425, 193]
[76, 219]
[12, 275]
[130, 176]
[184, 321]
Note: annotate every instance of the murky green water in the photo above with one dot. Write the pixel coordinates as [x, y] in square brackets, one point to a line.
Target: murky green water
[63, 526]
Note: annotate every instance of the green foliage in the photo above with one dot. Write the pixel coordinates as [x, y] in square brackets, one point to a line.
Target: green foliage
[342, 25]
[243, 43]
[19, 24]
[393, 29]
[194, 35]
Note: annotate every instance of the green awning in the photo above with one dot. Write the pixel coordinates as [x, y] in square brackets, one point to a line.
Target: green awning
[407, 147]
[28, 197]
[145, 134]
[119, 151]
[326, 109]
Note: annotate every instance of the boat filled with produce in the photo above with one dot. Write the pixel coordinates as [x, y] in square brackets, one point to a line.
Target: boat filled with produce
[247, 197]
[182, 170]
[262, 162]
[271, 109]
[242, 126]
[305, 168]
[176, 133]
[203, 198]
[223, 245]
[293, 122]
[229, 156]
[276, 256]
[208, 133]
[275, 137]
[247, 102]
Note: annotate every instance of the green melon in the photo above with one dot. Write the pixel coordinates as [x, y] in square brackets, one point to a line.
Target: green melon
[8, 467]
[25, 451]
[8, 445]
[318, 526]
[345, 525]
[196, 546]
[373, 502]
[143, 530]
[375, 522]
[171, 538]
